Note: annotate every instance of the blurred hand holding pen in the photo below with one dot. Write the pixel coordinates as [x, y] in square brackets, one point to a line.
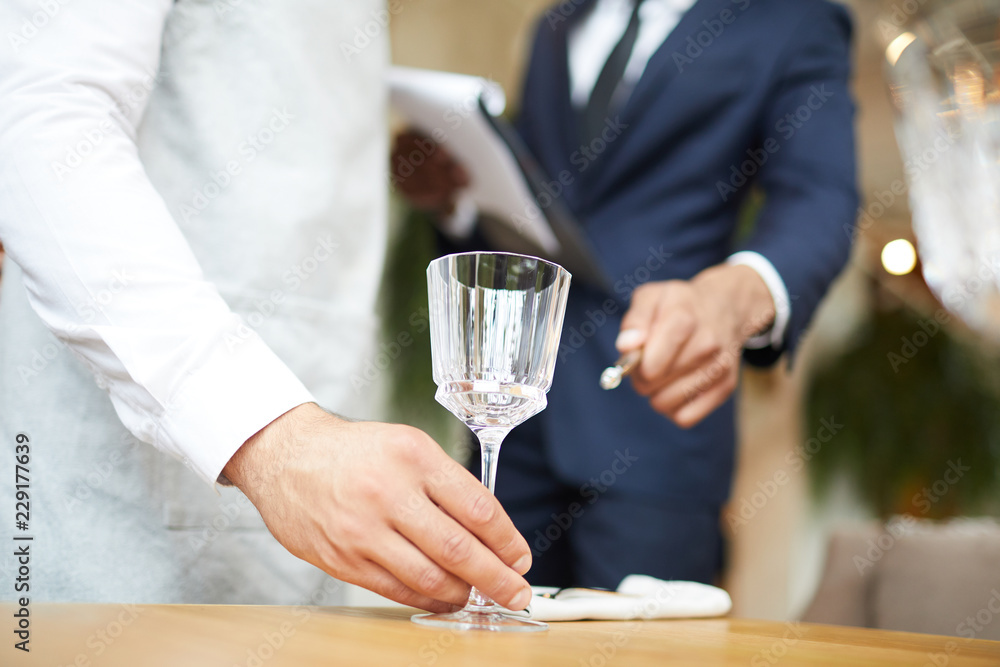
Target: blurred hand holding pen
[612, 376]
[629, 344]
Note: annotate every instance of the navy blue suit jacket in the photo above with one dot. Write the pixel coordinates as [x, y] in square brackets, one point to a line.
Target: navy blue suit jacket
[740, 87]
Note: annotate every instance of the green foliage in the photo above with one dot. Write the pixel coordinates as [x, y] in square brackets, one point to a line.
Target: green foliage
[411, 394]
[750, 211]
[909, 410]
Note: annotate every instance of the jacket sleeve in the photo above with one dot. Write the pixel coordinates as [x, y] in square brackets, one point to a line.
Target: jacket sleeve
[104, 264]
[806, 226]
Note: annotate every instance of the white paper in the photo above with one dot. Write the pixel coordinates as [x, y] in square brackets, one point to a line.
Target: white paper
[445, 106]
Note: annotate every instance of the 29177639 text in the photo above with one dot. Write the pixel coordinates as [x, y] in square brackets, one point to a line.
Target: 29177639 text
[22, 541]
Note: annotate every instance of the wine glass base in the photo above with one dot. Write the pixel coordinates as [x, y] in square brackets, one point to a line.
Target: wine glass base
[490, 621]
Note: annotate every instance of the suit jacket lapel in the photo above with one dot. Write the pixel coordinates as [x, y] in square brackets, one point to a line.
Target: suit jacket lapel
[659, 73]
[561, 118]
[565, 114]
[662, 68]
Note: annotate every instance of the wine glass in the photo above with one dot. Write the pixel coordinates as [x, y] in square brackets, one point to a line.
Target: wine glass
[942, 59]
[495, 321]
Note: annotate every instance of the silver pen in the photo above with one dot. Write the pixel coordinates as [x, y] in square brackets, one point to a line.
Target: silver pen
[612, 376]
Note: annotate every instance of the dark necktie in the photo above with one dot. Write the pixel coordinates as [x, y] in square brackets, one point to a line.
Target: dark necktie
[600, 105]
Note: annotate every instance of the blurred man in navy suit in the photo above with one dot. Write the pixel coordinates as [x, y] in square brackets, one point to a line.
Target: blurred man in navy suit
[657, 117]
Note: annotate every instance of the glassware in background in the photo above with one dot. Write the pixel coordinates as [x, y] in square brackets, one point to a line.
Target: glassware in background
[495, 320]
[942, 63]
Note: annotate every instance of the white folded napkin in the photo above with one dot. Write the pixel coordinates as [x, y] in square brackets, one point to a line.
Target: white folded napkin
[637, 597]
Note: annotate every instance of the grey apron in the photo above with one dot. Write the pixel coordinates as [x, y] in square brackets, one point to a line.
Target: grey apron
[270, 87]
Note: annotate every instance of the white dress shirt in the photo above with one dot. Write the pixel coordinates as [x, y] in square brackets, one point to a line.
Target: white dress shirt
[166, 229]
[591, 40]
[193, 194]
[590, 43]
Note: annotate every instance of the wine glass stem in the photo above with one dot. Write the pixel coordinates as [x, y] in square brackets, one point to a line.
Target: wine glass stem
[489, 449]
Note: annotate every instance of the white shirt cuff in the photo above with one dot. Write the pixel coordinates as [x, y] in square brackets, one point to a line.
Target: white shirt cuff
[462, 221]
[232, 395]
[779, 294]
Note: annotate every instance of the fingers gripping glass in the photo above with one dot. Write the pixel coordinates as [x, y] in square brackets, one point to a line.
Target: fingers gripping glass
[495, 323]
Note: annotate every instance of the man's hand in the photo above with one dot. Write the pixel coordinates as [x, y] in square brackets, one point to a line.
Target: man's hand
[426, 174]
[381, 506]
[692, 334]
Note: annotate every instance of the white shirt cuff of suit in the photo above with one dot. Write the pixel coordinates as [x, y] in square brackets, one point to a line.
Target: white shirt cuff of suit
[779, 294]
[232, 395]
[462, 221]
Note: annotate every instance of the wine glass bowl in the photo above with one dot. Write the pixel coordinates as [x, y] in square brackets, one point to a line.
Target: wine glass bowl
[495, 323]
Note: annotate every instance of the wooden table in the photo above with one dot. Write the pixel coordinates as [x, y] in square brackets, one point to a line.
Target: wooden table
[188, 635]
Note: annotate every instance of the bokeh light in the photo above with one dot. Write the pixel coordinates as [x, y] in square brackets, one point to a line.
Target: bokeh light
[899, 257]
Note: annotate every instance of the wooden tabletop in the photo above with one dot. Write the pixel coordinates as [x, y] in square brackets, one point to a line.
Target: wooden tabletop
[190, 635]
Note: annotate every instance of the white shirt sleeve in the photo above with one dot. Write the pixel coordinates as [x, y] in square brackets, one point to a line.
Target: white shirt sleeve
[461, 222]
[774, 336]
[104, 263]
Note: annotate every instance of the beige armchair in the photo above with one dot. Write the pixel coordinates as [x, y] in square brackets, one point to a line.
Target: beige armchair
[915, 576]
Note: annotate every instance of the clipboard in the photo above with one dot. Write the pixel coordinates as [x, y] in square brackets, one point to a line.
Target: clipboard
[463, 113]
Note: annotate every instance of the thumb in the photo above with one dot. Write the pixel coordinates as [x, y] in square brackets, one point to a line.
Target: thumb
[637, 320]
